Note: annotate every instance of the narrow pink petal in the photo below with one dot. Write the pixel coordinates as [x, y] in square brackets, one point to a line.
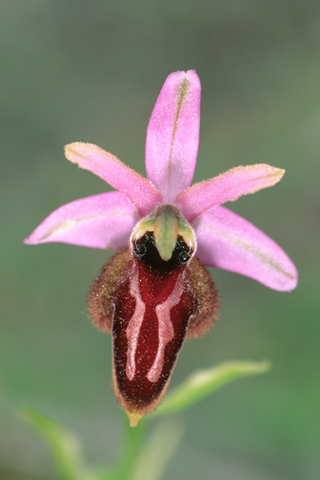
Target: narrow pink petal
[229, 242]
[101, 221]
[173, 134]
[142, 194]
[226, 187]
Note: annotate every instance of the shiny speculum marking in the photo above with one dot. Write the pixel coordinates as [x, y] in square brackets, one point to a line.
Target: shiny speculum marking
[153, 304]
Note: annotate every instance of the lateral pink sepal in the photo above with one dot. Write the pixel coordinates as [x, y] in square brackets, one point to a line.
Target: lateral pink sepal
[100, 221]
[229, 242]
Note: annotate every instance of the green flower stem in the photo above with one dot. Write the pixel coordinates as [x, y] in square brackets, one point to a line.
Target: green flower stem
[133, 438]
[146, 457]
[160, 447]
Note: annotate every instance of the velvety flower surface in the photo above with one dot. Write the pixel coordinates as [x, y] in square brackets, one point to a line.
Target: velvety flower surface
[177, 212]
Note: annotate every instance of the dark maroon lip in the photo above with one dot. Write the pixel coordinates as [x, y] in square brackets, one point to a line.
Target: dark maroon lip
[152, 309]
[150, 306]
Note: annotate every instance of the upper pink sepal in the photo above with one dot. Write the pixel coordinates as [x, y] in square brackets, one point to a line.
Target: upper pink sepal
[229, 242]
[226, 187]
[142, 194]
[173, 134]
[100, 221]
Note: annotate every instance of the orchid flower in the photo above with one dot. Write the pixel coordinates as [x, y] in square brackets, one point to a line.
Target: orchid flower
[156, 291]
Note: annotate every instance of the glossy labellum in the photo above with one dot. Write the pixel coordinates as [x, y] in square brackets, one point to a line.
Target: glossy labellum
[150, 305]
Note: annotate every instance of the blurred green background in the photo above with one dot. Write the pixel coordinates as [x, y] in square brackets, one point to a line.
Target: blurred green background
[91, 71]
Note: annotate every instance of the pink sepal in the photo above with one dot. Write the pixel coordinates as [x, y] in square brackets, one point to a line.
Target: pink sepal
[100, 221]
[229, 242]
[173, 134]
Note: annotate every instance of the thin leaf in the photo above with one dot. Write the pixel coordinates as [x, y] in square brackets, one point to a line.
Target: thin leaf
[64, 446]
[204, 382]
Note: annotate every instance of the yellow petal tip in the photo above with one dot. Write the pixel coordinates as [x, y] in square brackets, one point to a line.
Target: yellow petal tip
[134, 418]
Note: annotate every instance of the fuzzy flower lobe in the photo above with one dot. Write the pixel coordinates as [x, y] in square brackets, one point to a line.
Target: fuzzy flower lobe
[228, 186]
[138, 190]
